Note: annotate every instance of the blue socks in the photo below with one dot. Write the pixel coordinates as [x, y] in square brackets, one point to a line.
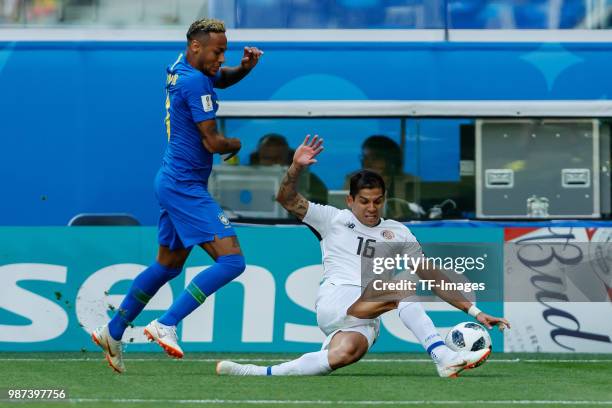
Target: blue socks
[207, 282]
[147, 284]
[142, 290]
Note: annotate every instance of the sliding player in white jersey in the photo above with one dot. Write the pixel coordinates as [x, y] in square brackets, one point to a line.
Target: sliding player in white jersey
[349, 319]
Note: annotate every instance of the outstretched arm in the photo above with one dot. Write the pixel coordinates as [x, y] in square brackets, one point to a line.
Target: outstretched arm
[367, 307]
[287, 195]
[232, 75]
[456, 298]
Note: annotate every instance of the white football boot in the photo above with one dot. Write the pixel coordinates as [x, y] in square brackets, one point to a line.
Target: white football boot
[165, 336]
[230, 368]
[113, 349]
[461, 361]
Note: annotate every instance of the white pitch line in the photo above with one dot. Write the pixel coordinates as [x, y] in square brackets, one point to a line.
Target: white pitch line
[214, 360]
[274, 360]
[330, 402]
[565, 361]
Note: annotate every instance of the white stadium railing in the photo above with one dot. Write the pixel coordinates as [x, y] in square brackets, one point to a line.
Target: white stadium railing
[399, 109]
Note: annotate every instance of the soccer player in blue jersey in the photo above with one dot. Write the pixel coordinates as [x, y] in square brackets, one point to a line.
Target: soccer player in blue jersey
[189, 216]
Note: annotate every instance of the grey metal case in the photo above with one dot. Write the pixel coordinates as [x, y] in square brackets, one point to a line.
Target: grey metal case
[537, 168]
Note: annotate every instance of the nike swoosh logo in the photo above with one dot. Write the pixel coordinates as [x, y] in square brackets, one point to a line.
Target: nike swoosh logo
[110, 353]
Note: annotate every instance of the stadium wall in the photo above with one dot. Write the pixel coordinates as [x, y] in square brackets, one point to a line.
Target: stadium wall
[58, 283]
[82, 126]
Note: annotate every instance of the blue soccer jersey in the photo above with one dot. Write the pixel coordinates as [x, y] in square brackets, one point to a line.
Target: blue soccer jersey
[190, 99]
[189, 215]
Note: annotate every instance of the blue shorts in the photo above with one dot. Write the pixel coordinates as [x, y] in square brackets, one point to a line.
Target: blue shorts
[189, 215]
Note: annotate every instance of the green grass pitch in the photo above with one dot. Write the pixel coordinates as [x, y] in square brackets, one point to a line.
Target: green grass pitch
[152, 380]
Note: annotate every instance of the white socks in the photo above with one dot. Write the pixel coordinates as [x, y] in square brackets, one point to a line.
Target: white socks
[414, 317]
[309, 364]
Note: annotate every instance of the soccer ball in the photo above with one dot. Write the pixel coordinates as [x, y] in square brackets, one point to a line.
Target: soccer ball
[468, 336]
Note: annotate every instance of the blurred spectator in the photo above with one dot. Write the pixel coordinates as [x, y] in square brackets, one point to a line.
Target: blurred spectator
[42, 11]
[273, 149]
[384, 156]
[9, 11]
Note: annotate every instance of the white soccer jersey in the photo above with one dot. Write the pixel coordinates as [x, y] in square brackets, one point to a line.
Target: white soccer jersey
[344, 239]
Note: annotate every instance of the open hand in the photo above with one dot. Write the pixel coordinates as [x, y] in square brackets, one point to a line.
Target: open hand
[305, 154]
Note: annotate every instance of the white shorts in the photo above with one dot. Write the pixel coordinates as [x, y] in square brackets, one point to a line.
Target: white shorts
[332, 303]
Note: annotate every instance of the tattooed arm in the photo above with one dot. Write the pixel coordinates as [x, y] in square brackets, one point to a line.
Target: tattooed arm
[287, 195]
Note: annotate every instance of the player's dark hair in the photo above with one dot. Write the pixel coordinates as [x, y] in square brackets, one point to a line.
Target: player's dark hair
[205, 26]
[380, 146]
[366, 179]
[273, 139]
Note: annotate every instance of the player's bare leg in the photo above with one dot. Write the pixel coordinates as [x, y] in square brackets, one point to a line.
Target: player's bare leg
[229, 263]
[174, 259]
[222, 246]
[366, 309]
[373, 303]
[345, 348]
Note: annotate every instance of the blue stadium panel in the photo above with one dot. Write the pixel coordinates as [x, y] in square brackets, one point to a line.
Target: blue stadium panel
[511, 14]
[340, 14]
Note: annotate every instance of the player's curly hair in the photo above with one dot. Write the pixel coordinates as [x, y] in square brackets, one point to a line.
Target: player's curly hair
[205, 26]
